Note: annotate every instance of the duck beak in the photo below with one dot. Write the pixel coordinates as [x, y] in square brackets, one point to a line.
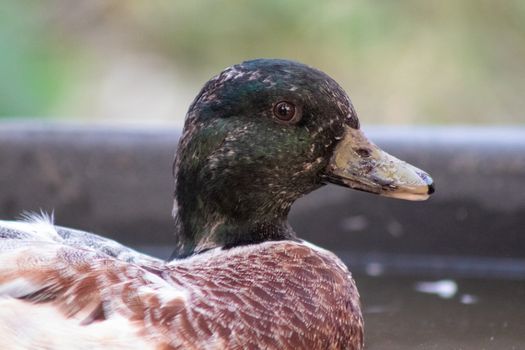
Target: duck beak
[359, 164]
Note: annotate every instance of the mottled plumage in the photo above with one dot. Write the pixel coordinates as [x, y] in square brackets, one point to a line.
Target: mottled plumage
[257, 137]
[240, 298]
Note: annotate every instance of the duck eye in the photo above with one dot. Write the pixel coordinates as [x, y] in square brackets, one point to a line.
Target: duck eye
[284, 111]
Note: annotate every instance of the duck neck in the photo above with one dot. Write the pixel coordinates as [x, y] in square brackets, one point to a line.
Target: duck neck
[200, 228]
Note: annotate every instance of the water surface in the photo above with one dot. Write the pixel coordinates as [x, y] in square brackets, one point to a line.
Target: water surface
[479, 314]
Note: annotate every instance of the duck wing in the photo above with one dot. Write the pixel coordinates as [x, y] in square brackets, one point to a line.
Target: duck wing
[40, 227]
[62, 288]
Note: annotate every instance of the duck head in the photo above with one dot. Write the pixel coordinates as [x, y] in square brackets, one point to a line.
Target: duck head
[260, 135]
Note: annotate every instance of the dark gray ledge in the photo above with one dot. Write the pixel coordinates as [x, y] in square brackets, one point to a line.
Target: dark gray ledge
[116, 180]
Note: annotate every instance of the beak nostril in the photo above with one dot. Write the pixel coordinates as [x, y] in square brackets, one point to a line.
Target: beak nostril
[363, 152]
[431, 188]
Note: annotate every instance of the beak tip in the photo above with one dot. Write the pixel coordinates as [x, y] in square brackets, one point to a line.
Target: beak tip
[431, 188]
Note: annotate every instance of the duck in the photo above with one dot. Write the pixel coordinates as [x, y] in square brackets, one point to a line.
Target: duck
[258, 136]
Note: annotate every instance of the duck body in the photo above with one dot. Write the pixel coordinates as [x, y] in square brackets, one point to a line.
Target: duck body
[257, 137]
[74, 290]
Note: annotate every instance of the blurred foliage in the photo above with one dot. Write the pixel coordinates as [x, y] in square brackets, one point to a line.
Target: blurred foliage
[404, 61]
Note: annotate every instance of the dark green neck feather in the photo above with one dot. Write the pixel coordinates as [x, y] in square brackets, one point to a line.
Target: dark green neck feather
[227, 196]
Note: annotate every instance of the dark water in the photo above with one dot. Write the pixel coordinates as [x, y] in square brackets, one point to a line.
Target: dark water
[469, 313]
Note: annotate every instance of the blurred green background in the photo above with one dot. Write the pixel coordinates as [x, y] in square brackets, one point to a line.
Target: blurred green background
[402, 62]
